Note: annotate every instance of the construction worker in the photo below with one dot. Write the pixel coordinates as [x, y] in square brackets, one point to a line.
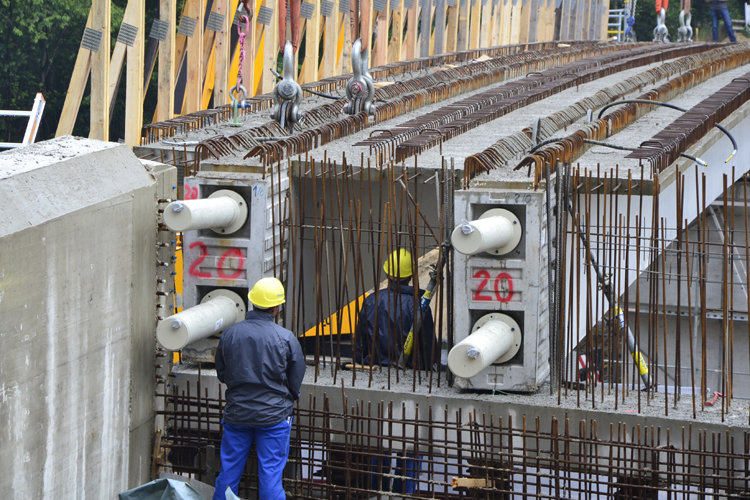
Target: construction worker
[262, 365]
[395, 318]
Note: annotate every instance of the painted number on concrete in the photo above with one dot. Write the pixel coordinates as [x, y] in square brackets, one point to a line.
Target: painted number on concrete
[231, 260]
[501, 295]
[523, 198]
[258, 191]
[191, 193]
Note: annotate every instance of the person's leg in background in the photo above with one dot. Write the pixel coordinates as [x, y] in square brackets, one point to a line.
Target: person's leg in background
[715, 24]
[236, 442]
[728, 24]
[407, 467]
[272, 445]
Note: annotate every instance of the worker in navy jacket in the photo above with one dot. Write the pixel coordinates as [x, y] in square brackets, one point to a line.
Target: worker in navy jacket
[395, 318]
[395, 312]
[262, 365]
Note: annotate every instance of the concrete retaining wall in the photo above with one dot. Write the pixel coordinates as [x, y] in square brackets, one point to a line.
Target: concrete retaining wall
[77, 318]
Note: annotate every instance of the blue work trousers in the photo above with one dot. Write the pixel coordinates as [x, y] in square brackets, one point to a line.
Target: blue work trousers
[408, 467]
[724, 13]
[272, 447]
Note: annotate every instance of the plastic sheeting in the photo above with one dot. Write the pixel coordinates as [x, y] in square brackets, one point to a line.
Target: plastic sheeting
[162, 489]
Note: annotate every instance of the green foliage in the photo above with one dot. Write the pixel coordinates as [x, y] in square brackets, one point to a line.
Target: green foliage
[40, 42]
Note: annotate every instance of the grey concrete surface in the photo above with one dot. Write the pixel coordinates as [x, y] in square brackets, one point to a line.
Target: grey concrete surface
[77, 282]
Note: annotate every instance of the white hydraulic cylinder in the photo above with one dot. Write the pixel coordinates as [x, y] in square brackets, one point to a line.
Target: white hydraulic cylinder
[199, 322]
[497, 231]
[224, 212]
[496, 338]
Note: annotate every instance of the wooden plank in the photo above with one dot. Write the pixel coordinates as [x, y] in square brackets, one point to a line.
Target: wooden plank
[165, 105]
[76, 87]
[551, 20]
[604, 20]
[344, 45]
[474, 24]
[116, 63]
[508, 21]
[312, 39]
[411, 31]
[464, 13]
[533, 6]
[222, 44]
[100, 73]
[194, 88]
[515, 22]
[451, 31]
[440, 14]
[330, 43]
[432, 23]
[395, 42]
[380, 49]
[583, 20]
[485, 38]
[424, 38]
[525, 21]
[495, 38]
[134, 77]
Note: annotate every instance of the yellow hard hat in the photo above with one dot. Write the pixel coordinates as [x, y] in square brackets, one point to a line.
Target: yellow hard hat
[267, 293]
[399, 262]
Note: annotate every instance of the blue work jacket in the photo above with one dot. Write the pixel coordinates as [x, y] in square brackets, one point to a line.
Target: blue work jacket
[262, 365]
[395, 310]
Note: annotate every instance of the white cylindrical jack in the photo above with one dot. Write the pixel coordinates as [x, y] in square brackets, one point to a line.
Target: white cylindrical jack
[224, 212]
[497, 231]
[496, 338]
[218, 310]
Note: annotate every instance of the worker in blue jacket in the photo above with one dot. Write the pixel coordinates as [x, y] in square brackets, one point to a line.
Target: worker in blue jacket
[262, 365]
[395, 312]
[395, 318]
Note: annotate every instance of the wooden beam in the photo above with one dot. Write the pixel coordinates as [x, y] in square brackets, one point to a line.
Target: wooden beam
[533, 7]
[426, 22]
[165, 104]
[395, 42]
[515, 22]
[604, 20]
[525, 21]
[344, 45]
[451, 31]
[134, 78]
[381, 42]
[194, 89]
[222, 47]
[312, 39]
[100, 73]
[440, 14]
[474, 26]
[485, 38]
[76, 87]
[330, 43]
[412, 20]
[464, 13]
[116, 63]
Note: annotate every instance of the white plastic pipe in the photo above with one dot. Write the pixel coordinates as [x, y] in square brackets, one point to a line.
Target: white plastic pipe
[480, 349]
[482, 235]
[209, 213]
[197, 323]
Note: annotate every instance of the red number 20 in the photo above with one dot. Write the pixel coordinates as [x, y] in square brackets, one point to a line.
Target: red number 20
[485, 277]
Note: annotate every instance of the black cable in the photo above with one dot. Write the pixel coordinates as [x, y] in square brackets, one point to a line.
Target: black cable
[322, 94]
[672, 106]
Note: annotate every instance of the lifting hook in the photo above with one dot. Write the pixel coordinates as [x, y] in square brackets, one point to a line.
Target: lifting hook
[287, 94]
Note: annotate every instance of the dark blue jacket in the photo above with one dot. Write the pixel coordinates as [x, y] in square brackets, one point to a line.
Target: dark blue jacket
[395, 312]
[263, 366]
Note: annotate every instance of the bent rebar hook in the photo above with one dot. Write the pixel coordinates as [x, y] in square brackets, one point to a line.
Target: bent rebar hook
[360, 89]
[287, 94]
